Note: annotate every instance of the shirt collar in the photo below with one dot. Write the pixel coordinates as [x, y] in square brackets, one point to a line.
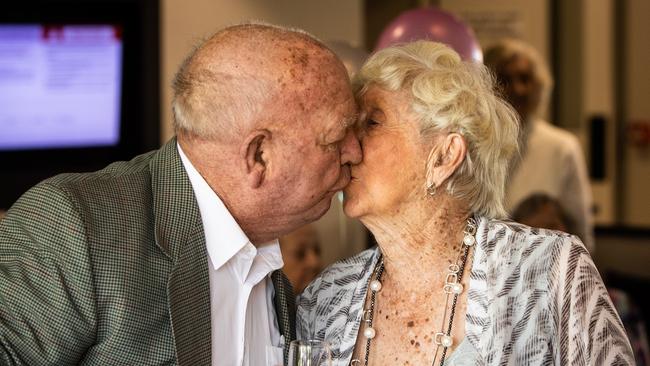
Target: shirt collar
[223, 236]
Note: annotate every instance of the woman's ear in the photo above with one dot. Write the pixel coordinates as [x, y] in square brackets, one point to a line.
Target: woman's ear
[253, 156]
[445, 158]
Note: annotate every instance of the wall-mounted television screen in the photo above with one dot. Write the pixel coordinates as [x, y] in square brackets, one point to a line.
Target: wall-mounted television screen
[79, 87]
[60, 85]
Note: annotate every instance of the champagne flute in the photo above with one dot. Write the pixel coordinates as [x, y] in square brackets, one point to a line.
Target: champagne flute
[309, 353]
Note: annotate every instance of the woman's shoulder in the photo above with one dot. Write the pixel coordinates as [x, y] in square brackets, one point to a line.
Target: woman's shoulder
[358, 260]
[549, 279]
[503, 238]
[345, 272]
[331, 300]
[513, 248]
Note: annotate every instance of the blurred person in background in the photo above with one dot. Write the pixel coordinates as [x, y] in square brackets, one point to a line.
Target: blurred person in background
[543, 211]
[301, 255]
[551, 159]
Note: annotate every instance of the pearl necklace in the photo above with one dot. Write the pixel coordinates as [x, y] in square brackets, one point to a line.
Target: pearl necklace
[452, 289]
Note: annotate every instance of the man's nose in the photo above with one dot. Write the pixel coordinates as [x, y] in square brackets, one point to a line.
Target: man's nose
[350, 150]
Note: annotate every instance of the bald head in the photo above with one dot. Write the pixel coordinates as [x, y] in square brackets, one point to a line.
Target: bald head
[237, 77]
[263, 113]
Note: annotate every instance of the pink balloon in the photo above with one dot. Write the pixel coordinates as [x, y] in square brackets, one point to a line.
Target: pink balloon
[432, 24]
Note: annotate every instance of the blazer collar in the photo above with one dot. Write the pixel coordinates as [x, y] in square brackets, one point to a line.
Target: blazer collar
[179, 234]
[175, 209]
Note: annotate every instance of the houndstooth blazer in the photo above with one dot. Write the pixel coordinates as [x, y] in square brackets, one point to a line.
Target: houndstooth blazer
[111, 268]
[535, 298]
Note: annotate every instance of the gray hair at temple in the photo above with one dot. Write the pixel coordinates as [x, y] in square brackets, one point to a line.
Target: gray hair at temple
[213, 101]
[450, 95]
[499, 54]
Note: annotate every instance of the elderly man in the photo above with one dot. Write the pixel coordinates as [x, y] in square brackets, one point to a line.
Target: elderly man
[551, 160]
[172, 257]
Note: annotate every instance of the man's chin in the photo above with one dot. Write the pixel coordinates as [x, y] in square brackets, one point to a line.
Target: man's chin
[323, 206]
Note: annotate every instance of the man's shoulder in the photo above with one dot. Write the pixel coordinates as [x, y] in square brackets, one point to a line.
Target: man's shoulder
[554, 137]
[113, 174]
[108, 192]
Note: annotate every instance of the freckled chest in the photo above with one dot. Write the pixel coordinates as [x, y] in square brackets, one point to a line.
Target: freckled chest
[406, 327]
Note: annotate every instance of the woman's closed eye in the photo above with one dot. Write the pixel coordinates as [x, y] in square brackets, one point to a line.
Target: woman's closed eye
[365, 126]
[368, 125]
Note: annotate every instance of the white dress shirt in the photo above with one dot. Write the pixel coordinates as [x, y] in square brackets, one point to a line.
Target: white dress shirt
[244, 322]
[553, 163]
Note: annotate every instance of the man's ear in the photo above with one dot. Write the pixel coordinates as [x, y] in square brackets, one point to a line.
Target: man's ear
[253, 156]
[446, 158]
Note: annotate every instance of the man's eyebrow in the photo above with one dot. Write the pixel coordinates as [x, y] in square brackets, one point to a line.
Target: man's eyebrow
[350, 121]
[346, 123]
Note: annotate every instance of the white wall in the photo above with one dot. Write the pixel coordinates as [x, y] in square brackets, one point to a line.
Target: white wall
[185, 23]
[598, 97]
[496, 19]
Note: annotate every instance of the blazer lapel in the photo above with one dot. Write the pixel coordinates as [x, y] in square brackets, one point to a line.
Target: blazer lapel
[180, 235]
[285, 308]
[189, 303]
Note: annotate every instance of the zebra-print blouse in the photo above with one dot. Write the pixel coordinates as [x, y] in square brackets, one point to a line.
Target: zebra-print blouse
[535, 298]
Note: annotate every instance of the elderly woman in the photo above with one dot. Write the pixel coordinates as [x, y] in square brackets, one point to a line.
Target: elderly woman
[450, 282]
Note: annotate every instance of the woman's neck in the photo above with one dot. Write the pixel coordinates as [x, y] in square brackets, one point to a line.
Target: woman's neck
[418, 243]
